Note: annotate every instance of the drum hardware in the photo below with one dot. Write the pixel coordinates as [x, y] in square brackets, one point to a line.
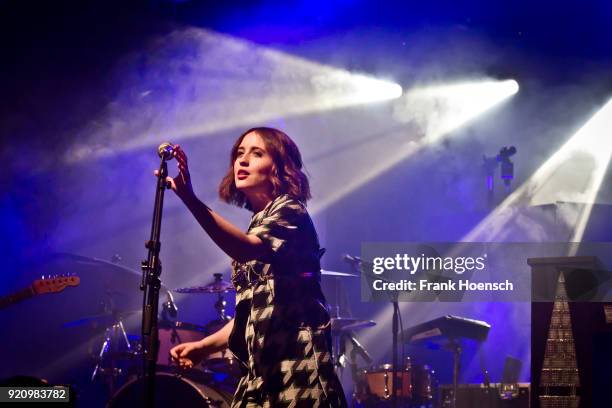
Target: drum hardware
[351, 361]
[169, 307]
[116, 358]
[116, 347]
[342, 331]
[223, 287]
[225, 369]
[218, 285]
[358, 348]
[341, 325]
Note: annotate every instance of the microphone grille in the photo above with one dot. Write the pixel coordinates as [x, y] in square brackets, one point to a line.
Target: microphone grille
[166, 150]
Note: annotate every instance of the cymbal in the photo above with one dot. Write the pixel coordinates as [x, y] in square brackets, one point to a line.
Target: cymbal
[338, 274]
[340, 324]
[218, 285]
[105, 287]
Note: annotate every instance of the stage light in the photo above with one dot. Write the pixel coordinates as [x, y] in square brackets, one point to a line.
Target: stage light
[441, 109]
[436, 111]
[354, 89]
[195, 82]
[430, 112]
[573, 174]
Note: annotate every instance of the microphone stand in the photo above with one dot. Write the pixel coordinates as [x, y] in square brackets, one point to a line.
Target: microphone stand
[358, 265]
[395, 334]
[151, 270]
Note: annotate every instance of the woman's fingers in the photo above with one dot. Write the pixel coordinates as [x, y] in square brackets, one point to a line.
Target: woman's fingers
[181, 184]
[179, 152]
[180, 155]
[179, 354]
[170, 183]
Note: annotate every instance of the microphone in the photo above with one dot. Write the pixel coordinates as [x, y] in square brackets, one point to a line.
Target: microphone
[166, 151]
[359, 348]
[170, 306]
[353, 260]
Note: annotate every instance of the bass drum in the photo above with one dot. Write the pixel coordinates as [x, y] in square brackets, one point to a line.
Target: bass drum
[171, 390]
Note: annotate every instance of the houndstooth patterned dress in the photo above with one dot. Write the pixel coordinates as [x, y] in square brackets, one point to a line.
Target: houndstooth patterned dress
[281, 328]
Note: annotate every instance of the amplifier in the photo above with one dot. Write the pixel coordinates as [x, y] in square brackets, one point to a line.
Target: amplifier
[477, 395]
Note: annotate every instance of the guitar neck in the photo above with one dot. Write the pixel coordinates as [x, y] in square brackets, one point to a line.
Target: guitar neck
[16, 297]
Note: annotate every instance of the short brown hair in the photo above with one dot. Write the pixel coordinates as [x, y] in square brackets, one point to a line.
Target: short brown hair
[287, 175]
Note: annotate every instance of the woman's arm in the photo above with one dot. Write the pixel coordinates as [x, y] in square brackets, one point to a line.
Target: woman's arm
[238, 245]
[189, 354]
[218, 340]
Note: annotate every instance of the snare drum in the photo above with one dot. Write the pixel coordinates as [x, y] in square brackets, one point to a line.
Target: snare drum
[171, 391]
[174, 333]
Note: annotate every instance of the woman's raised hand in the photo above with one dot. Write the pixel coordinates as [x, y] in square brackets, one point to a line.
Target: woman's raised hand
[181, 184]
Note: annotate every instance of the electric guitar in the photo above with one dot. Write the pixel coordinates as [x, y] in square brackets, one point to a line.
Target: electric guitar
[52, 284]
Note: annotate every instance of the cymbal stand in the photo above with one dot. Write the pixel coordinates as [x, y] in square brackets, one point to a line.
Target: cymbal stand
[221, 303]
[336, 338]
[395, 334]
[109, 346]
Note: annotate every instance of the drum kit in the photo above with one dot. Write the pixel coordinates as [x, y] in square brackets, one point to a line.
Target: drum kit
[211, 384]
[116, 361]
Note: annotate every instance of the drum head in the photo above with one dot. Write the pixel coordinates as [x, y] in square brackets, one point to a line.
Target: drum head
[171, 391]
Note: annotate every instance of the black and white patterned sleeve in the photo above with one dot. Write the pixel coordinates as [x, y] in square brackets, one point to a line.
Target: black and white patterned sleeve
[280, 229]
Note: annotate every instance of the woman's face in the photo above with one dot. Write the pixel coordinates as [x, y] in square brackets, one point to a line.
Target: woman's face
[253, 166]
